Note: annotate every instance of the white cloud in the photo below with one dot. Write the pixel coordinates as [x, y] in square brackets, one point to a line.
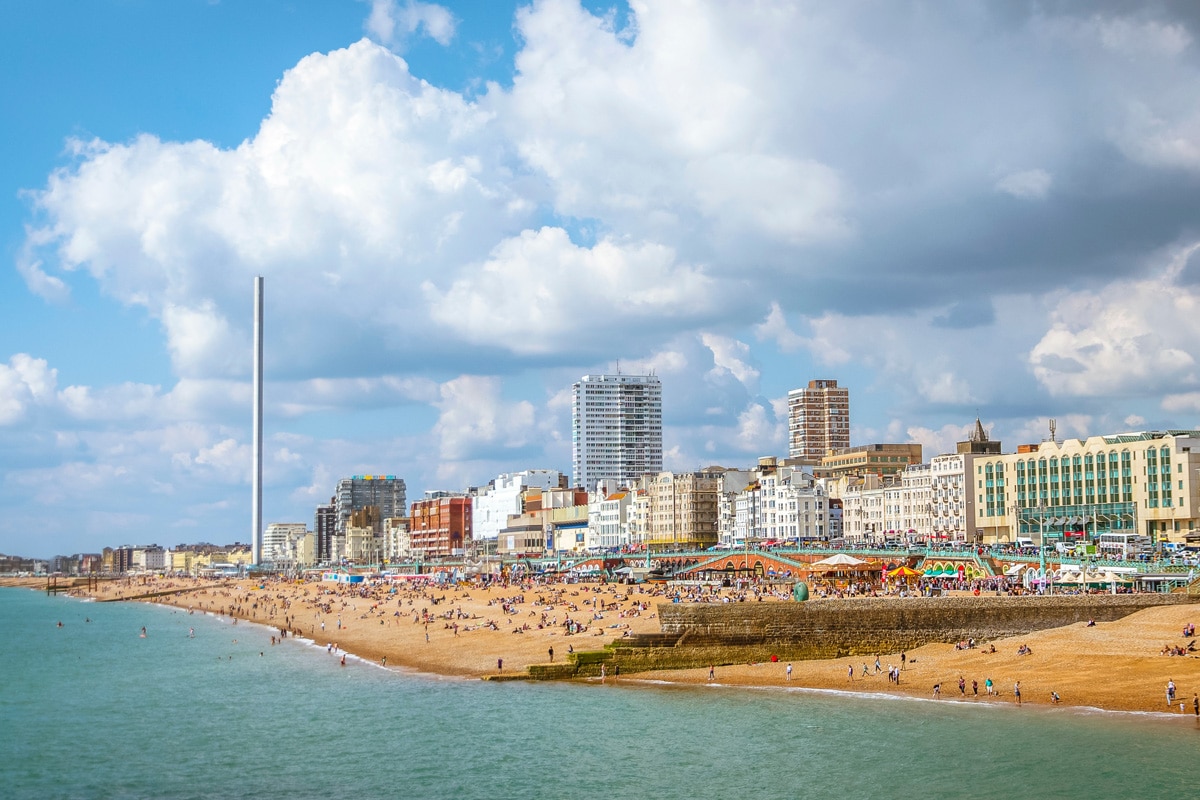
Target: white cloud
[938, 442]
[127, 401]
[361, 171]
[202, 342]
[1031, 184]
[391, 21]
[944, 387]
[760, 430]
[732, 356]
[24, 382]
[1180, 402]
[775, 328]
[539, 287]
[1131, 335]
[673, 125]
[474, 418]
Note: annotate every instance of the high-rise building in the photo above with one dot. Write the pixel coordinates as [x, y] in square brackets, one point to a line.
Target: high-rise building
[384, 492]
[818, 420]
[325, 525]
[616, 428]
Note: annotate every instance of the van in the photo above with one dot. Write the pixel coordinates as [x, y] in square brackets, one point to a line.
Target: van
[1024, 542]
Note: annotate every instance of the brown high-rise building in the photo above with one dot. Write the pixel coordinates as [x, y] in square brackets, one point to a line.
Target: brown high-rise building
[818, 420]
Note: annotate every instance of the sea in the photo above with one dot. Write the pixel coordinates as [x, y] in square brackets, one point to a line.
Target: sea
[202, 708]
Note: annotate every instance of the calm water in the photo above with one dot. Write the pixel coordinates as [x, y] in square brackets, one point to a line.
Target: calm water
[93, 710]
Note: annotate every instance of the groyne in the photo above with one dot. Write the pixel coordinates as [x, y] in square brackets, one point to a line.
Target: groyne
[699, 634]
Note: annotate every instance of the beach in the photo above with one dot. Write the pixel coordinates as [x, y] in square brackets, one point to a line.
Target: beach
[475, 632]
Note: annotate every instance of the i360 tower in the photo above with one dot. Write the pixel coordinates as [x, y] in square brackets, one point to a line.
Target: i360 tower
[616, 428]
[256, 447]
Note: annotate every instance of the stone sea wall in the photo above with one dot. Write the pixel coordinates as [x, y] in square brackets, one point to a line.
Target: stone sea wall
[697, 634]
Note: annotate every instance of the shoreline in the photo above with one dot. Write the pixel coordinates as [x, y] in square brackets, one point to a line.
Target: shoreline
[1111, 667]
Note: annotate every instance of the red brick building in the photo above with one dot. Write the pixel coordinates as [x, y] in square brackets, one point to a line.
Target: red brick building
[440, 526]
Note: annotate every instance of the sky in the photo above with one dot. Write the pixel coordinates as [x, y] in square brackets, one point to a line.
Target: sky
[957, 210]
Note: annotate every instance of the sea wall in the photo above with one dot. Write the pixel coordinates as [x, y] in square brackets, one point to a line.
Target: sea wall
[698, 634]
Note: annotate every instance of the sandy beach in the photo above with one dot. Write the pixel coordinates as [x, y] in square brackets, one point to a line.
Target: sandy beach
[471, 631]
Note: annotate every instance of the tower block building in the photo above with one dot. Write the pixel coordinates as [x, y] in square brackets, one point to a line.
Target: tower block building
[818, 420]
[616, 428]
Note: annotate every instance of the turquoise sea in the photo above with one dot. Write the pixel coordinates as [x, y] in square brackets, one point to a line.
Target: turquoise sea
[92, 710]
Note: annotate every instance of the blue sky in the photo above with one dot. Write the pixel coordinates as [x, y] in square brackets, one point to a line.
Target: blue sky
[981, 209]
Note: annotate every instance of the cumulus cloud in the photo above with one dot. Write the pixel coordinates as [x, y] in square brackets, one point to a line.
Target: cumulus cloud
[540, 286]
[775, 328]
[474, 419]
[732, 356]
[1137, 334]
[24, 383]
[390, 21]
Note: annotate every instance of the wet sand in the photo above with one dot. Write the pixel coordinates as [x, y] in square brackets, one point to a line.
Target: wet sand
[1113, 665]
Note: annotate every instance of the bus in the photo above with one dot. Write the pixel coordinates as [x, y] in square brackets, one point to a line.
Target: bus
[1124, 546]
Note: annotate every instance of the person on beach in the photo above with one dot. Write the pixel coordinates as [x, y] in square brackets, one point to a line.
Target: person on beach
[1054, 698]
[604, 672]
[975, 688]
[499, 661]
[903, 658]
[987, 684]
[1170, 692]
[551, 655]
[343, 659]
[1017, 692]
[712, 674]
[789, 672]
[850, 673]
[962, 686]
[937, 691]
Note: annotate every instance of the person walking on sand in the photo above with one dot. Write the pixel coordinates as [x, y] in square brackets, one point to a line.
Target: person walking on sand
[712, 674]
[499, 665]
[987, 685]
[551, 654]
[850, 673]
[789, 671]
[962, 686]
[1017, 692]
[1170, 692]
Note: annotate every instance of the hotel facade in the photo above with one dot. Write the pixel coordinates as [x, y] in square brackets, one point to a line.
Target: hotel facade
[1146, 483]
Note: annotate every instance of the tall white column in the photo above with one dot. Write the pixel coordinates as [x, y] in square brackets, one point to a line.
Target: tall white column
[256, 489]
